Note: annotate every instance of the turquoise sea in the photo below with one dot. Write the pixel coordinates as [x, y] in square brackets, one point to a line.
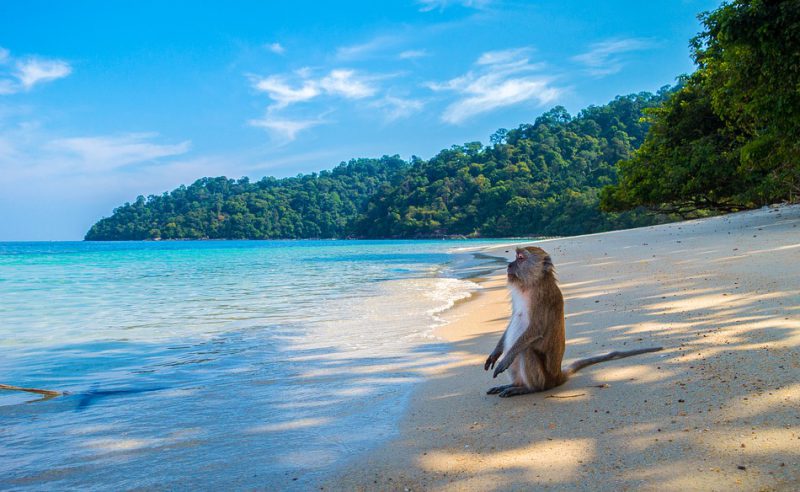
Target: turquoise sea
[214, 364]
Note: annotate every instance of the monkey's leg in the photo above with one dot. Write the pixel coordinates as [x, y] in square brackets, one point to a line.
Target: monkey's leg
[498, 389]
[515, 390]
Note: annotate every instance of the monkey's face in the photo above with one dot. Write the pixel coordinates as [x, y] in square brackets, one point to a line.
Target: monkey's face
[517, 267]
[528, 266]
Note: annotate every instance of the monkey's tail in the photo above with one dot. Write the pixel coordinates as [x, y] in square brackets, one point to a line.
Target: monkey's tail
[581, 363]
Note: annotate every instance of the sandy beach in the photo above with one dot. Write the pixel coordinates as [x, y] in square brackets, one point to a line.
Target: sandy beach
[717, 409]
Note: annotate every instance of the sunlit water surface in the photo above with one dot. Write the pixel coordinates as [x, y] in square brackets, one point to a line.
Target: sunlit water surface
[225, 365]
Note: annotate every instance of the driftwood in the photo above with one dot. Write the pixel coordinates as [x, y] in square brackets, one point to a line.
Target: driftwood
[49, 393]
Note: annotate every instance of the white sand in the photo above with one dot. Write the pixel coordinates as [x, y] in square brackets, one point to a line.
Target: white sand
[722, 295]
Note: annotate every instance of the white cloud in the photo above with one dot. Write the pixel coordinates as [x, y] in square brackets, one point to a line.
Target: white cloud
[276, 48]
[283, 94]
[30, 153]
[28, 72]
[395, 108]
[429, 5]
[365, 50]
[347, 84]
[498, 79]
[514, 55]
[339, 82]
[62, 183]
[603, 57]
[488, 93]
[412, 54]
[110, 152]
[34, 71]
[284, 130]
[331, 87]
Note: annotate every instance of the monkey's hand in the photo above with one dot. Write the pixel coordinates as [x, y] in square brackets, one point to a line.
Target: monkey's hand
[502, 366]
[491, 360]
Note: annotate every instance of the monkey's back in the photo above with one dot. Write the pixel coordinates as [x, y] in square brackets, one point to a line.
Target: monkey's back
[548, 309]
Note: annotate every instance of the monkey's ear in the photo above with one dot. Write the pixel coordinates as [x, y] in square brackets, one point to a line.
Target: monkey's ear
[547, 265]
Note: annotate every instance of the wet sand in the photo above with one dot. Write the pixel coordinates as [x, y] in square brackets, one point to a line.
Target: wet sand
[717, 409]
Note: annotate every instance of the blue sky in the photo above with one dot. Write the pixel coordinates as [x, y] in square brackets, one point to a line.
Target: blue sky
[103, 101]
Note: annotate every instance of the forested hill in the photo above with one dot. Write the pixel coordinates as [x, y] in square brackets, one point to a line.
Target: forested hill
[320, 205]
[728, 138]
[540, 178]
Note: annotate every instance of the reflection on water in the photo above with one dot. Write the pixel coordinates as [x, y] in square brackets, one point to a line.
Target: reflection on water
[211, 364]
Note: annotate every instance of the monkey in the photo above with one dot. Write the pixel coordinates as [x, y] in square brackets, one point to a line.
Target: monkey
[534, 340]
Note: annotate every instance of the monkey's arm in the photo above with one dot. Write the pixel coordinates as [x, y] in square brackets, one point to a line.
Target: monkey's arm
[522, 343]
[496, 353]
[538, 330]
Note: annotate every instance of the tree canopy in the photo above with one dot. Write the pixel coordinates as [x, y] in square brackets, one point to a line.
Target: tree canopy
[540, 178]
[728, 138]
[306, 206]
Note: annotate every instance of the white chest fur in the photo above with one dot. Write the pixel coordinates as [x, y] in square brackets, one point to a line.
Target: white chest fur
[520, 317]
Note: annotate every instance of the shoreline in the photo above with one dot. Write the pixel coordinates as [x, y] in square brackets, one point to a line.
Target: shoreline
[716, 409]
[311, 378]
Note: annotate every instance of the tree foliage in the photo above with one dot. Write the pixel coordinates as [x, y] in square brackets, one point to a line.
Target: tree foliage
[538, 179]
[306, 206]
[728, 138]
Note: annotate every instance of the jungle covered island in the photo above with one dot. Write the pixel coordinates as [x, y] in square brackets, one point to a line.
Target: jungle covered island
[724, 139]
[323, 205]
[540, 178]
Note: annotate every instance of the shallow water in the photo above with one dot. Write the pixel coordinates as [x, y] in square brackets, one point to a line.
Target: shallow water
[240, 364]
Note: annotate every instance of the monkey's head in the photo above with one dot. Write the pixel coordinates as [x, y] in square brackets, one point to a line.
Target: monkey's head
[531, 265]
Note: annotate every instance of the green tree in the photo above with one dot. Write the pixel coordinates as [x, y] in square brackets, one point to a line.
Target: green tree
[540, 178]
[728, 138]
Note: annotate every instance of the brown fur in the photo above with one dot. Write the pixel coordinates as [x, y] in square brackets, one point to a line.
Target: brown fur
[535, 358]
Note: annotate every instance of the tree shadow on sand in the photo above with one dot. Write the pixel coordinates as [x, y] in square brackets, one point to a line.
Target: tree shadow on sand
[716, 409]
